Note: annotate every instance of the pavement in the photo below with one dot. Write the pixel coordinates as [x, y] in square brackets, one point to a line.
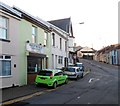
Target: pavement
[19, 93]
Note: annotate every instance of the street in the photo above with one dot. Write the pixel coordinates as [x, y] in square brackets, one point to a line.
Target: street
[100, 86]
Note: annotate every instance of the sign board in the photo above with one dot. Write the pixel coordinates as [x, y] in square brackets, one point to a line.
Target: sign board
[36, 48]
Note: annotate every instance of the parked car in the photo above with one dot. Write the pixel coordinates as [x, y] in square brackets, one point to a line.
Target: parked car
[51, 77]
[80, 65]
[74, 72]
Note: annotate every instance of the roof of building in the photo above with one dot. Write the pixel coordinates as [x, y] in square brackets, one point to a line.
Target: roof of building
[109, 48]
[9, 9]
[87, 49]
[32, 18]
[65, 24]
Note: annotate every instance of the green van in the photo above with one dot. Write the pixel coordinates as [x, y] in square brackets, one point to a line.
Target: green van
[51, 77]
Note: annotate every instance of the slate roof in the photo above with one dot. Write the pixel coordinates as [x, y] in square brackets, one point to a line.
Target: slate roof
[65, 24]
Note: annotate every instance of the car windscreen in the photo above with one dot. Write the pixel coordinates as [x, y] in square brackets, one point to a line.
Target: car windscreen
[45, 73]
[71, 69]
[79, 65]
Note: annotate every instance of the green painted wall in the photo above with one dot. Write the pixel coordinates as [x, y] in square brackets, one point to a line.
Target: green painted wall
[26, 34]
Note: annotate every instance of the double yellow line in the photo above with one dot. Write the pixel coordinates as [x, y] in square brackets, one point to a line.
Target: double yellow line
[26, 97]
[21, 98]
[30, 96]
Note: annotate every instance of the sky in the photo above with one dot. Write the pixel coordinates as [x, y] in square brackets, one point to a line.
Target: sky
[100, 18]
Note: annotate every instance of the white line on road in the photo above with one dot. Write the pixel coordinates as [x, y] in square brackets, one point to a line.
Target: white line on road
[91, 79]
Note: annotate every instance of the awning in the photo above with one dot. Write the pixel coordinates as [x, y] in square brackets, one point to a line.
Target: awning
[37, 55]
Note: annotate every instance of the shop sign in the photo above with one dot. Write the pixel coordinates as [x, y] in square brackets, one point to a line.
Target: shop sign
[32, 47]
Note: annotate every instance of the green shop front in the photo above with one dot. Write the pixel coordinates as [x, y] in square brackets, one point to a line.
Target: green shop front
[36, 60]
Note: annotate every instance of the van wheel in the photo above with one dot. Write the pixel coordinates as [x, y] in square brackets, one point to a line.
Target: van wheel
[54, 85]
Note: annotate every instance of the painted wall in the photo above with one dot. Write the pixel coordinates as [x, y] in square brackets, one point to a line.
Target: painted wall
[56, 51]
[26, 34]
[11, 48]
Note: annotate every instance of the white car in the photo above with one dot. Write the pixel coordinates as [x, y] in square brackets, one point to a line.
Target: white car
[74, 72]
[80, 65]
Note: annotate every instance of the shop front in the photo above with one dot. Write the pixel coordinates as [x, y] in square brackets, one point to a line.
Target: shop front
[36, 60]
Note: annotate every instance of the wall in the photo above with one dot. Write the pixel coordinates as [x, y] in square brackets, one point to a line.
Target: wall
[56, 51]
[11, 48]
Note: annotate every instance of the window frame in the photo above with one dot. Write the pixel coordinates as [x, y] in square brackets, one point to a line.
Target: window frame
[34, 35]
[45, 38]
[4, 26]
[4, 58]
[53, 39]
[60, 59]
[60, 43]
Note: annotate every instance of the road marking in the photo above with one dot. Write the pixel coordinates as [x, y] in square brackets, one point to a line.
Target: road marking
[32, 95]
[91, 79]
[21, 98]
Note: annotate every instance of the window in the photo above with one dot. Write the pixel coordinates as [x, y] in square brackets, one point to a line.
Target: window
[5, 65]
[34, 34]
[53, 39]
[60, 43]
[59, 74]
[45, 73]
[78, 70]
[66, 46]
[45, 38]
[60, 59]
[3, 27]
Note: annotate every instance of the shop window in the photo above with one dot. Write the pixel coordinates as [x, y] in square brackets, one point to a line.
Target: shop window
[5, 65]
[3, 27]
[34, 64]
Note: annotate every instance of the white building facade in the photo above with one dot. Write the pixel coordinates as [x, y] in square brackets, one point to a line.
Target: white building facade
[59, 41]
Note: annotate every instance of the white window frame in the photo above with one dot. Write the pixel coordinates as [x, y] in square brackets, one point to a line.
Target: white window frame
[65, 46]
[60, 43]
[34, 34]
[53, 39]
[3, 58]
[45, 38]
[3, 26]
[60, 59]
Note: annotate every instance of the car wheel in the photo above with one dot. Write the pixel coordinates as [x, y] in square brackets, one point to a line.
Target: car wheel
[66, 81]
[55, 85]
[77, 78]
[82, 75]
[37, 85]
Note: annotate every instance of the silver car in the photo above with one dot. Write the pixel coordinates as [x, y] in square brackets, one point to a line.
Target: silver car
[74, 72]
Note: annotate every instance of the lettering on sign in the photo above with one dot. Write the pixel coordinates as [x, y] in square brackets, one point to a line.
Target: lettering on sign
[32, 47]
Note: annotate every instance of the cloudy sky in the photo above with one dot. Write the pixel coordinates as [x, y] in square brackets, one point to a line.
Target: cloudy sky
[100, 18]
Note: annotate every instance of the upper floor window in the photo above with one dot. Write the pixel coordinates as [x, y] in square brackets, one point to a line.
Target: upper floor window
[5, 65]
[60, 43]
[53, 39]
[66, 46]
[45, 38]
[34, 34]
[3, 27]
